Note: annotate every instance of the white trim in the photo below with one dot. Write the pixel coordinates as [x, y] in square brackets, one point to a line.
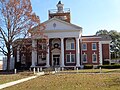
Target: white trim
[89, 37]
[105, 42]
[77, 52]
[34, 53]
[18, 54]
[62, 53]
[100, 54]
[88, 41]
[47, 56]
[56, 31]
[77, 27]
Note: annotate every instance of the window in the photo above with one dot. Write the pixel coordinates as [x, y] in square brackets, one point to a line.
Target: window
[84, 46]
[23, 59]
[84, 58]
[70, 44]
[70, 58]
[41, 58]
[94, 58]
[94, 47]
[42, 46]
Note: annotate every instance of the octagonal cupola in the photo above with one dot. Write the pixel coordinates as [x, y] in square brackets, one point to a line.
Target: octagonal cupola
[60, 7]
[60, 13]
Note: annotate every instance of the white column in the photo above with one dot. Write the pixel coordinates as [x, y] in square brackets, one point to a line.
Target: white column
[48, 55]
[62, 52]
[100, 53]
[34, 54]
[18, 53]
[77, 52]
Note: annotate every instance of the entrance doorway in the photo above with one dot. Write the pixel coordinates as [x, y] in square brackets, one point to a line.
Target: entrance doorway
[56, 60]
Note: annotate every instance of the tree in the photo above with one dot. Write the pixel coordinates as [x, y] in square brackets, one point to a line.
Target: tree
[115, 42]
[102, 32]
[16, 19]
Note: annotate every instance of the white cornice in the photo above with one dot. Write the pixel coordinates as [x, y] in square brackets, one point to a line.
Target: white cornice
[56, 31]
[77, 27]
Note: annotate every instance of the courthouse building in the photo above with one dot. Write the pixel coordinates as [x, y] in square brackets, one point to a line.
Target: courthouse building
[66, 45]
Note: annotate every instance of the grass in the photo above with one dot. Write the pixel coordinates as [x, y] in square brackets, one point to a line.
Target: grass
[71, 82]
[94, 71]
[12, 77]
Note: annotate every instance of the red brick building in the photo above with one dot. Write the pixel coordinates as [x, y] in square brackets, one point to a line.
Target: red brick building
[66, 45]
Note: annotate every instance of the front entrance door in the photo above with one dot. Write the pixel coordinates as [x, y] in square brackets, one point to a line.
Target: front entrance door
[56, 60]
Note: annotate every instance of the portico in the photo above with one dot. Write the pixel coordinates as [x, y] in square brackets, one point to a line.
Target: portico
[58, 54]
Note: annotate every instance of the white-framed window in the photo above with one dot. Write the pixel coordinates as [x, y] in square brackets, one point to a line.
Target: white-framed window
[70, 44]
[94, 58]
[84, 57]
[42, 46]
[23, 59]
[70, 58]
[41, 58]
[84, 46]
[94, 46]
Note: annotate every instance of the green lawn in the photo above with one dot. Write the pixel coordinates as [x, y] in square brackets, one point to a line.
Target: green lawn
[71, 82]
[12, 77]
[94, 71]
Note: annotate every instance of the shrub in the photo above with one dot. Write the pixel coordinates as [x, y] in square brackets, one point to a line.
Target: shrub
[88, 66]
[110, 66]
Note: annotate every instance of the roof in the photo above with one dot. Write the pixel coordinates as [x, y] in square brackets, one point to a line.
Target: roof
[95, 37]
[54, 18]
[59, 2]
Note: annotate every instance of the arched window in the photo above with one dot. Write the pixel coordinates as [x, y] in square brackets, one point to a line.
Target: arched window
[70, 44]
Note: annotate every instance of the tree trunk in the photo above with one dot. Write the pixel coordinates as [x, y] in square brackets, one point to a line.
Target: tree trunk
[8, 61]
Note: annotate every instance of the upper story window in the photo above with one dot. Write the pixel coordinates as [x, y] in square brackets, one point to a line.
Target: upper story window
[94, 46]
[84, 46]
[70, 44]
[42, 46]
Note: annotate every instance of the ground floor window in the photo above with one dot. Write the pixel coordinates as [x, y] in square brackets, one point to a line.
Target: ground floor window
[23, 59]
[70, 58]
[41, 58]
[84, 57]
[94, 58]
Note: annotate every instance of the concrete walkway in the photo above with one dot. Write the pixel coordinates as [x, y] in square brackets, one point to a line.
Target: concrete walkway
[19, 81]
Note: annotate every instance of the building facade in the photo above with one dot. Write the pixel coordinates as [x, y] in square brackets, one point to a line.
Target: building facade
[66, 46]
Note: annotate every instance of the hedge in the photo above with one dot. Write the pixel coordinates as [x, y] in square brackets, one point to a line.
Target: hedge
[88, 66]
[110, 66]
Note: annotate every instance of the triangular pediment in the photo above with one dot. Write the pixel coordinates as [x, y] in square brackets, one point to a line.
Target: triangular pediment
[56, 51]
[57, 24]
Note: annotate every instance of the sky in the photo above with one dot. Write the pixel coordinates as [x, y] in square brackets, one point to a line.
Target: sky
[91, 15]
